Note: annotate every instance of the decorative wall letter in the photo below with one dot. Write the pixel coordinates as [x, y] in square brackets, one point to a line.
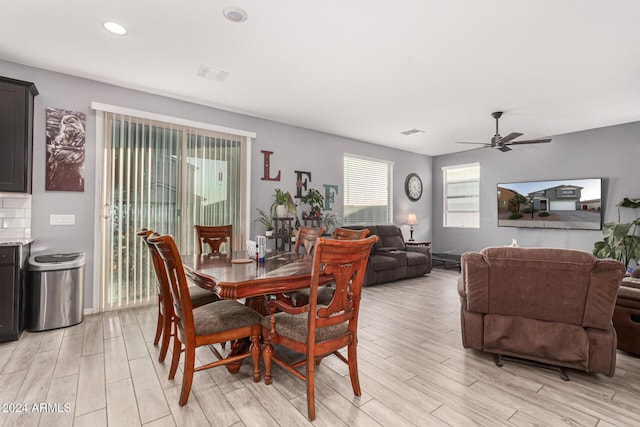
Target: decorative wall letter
[267, 164]
[329, 195]
[301, 183]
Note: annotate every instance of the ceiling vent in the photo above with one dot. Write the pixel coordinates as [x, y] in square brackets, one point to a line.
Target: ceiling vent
[212, 73]
[411, 132]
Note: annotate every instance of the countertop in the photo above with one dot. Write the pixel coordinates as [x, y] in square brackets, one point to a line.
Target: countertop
[15, 242]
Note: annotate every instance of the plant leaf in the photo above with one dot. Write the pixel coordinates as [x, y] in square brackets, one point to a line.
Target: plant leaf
[629, 203]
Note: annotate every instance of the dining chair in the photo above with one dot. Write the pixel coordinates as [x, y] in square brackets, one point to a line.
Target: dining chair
[348, 234]
[214, 236]
[325, 293]
[306, 238]
[198, 296]
[317, 330]
[215, 323]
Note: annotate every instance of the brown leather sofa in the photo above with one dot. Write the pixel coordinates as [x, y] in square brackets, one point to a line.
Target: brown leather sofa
[552, 306]
[391, 259]
[626, 316]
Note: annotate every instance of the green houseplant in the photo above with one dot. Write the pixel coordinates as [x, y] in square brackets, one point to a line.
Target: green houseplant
[620, 240]
[265, 220]
[315, 200]
[282, 203]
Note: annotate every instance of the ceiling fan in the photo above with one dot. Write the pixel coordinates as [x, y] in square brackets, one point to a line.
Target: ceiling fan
[502, 143]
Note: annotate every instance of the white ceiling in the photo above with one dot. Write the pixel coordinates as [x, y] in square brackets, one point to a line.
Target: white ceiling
[364, 69]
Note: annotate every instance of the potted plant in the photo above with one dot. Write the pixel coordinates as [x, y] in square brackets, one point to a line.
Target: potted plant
[315, 200]
[620, 240]
[330, 221]
[282, 203]
[266, 220]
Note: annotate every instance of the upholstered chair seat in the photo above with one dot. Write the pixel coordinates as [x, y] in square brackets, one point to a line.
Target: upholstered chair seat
[224, 315]
[296, 327]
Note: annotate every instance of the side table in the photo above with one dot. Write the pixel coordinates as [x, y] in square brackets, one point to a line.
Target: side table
[417, 243]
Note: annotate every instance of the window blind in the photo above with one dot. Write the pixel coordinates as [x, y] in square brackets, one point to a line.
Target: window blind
[461, 195]
[367, 190]
[167, 177]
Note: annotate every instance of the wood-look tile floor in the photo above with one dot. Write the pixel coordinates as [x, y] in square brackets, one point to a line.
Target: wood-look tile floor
[413, 371]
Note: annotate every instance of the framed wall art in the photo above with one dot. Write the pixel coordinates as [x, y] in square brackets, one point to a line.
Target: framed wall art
[65, 150]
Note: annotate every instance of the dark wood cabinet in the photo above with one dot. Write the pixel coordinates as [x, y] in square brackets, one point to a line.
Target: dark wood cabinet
[12, 284]
[16, 134]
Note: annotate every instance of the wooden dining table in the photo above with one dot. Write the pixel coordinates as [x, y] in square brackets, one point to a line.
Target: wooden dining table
[280, 272]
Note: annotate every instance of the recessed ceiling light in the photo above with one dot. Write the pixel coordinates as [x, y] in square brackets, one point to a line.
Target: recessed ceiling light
[115, 28]
[235, 14]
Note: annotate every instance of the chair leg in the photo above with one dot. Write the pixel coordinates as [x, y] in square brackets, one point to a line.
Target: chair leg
[175, 357]
[255, 351]
[187, 376]
[311, 398]
[268, 354]
[353, 369]
[156, 339]
[167, 332]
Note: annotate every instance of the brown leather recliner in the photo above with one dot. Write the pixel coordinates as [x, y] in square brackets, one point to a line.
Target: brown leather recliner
[552, 306]
[626, 316]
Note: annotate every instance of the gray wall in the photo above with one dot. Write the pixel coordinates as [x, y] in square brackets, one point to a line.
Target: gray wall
[611, 153]
[294, 149]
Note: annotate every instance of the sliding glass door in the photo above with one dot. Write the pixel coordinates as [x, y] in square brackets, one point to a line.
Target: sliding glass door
[166, 178]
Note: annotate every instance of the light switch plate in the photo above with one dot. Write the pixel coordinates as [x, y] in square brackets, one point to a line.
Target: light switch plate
[62, 219]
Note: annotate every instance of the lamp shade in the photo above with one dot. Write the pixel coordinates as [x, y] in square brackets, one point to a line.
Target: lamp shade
[411, 219]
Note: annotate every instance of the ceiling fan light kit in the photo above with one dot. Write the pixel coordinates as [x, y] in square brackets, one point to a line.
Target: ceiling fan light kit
[502, 143]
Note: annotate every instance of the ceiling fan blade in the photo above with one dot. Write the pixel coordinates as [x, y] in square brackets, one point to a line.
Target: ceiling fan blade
[530, 141]
[480, 143]
[503, 148]
[504, 140]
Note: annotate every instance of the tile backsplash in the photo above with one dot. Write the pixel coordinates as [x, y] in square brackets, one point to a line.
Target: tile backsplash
[15, 216]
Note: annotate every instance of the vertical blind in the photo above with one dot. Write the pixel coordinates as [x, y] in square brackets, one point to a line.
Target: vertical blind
[165, 177]
[367, 190]
[461, 195]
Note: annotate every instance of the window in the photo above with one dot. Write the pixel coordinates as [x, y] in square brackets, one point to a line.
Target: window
[367, 190]
[461, 195]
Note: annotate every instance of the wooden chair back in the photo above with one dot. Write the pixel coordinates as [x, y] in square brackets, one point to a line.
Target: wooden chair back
[161, 283]
[214, 236]
[306, 238]
[348, 234]
[346, 260]
[178, 285]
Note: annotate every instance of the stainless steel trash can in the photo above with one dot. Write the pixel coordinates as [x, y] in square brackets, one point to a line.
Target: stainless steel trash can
[54, 291]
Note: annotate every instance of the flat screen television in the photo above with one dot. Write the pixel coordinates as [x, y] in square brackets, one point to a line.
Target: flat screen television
[563, 204]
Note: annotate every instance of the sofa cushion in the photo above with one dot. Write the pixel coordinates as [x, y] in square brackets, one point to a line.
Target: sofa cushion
[416, 258]
[383, 262]
[391, 236]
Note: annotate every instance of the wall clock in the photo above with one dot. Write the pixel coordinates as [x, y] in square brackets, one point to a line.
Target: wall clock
[413, 187]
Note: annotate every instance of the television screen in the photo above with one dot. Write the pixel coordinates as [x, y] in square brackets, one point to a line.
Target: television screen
[565, 204]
